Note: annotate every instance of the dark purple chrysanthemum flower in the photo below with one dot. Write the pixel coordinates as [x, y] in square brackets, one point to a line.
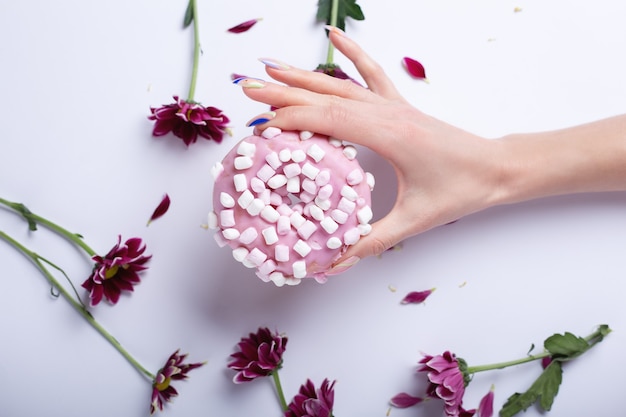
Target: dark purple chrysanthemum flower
[447, 382]
[187, 120]
[173, 370]
[259, 355]
[117, 271]
[334, 70]
[310, 402]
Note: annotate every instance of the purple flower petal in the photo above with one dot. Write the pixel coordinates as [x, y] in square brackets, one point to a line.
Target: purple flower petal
[161, 209]
[404, 400]
[414, 68]
[485, 407]
[244, 27]
[417, 297]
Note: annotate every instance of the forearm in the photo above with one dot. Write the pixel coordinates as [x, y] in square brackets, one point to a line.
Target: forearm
[585, 158]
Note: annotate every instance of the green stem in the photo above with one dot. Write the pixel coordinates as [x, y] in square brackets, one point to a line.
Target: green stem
[36, 259]
[33, 218]
[196, 52]
[593, 338]
[334, 11]
[279, 390]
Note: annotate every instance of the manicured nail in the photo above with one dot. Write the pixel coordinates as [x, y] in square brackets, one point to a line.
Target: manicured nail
[344, 265]
[273, 63]
[247, 82]
[335, 29]
[261, 118]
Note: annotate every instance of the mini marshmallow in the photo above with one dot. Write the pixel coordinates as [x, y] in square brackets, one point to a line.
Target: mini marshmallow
[301, 248]
[364, 229]
[265, 196]
[323, 178]
[323, 204]
[276, 199]
[255, 207]
[277, 181]
[310, 171]
[334, 243]
[268, 267]
[246, 149]
[306, 135]
[351, 236]
[369, 178]
[306, 197]
[243, 162]
[293, 185]
[292, 170]
[298, 207]
[283, 226]
[216, 170]
[339, 216]
[212, 220]
[219, 239]
[240, 253]
[284, 155]
[270, 214]
[227, 200]
[296, 219]
[335, 142]
[329, 225]
[248, 263]
[257, 184]
[307, 229]
[346, 205]
[269, 235]
[240, 181]
[291, 281]
[245, 199]
[364, 215]
[273, 160]
[227, 218]
[298, 155]
[316, 152]
[309, 186]
[354, 177]
[230, 233]
[299, 269]
[281, 253]
[325, 192]
[349, 193]
[277, 278]
[316, 212]
[265, 173]
[350, 152]
[256, 257]
[270, 132]
[284, 210]
[248, 236]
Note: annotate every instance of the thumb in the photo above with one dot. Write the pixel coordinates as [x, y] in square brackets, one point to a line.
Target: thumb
[385, 233]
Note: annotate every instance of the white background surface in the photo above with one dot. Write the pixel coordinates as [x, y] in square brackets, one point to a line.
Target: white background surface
[77, 81]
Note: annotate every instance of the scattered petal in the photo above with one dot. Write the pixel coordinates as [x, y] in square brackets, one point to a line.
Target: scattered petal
[414, 68]
[463, 284]
[404, 400]
[417, 297]
[485, 407]
[245, 26]
[161, 209]
[392, 288]
[517, 9]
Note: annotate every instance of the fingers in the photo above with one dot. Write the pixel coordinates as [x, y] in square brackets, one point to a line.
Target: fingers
[370, 70]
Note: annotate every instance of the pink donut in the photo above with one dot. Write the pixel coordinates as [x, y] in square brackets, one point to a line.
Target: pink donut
[290, 203]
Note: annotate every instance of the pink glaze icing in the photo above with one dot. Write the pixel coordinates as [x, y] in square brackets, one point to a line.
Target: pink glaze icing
[258, 221]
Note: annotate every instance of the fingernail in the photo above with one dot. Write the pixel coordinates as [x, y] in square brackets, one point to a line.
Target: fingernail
[335, 29]
[247, 82]
[344, 265]
[261, 118]
[273, 63]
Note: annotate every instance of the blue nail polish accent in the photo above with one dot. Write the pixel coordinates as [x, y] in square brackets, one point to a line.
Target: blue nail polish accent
[258, 121]
[237, 80]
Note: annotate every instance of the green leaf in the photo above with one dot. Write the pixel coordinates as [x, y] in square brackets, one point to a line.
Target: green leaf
[544, 389]
[346, 8]
[566, 345]
[188, 14]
